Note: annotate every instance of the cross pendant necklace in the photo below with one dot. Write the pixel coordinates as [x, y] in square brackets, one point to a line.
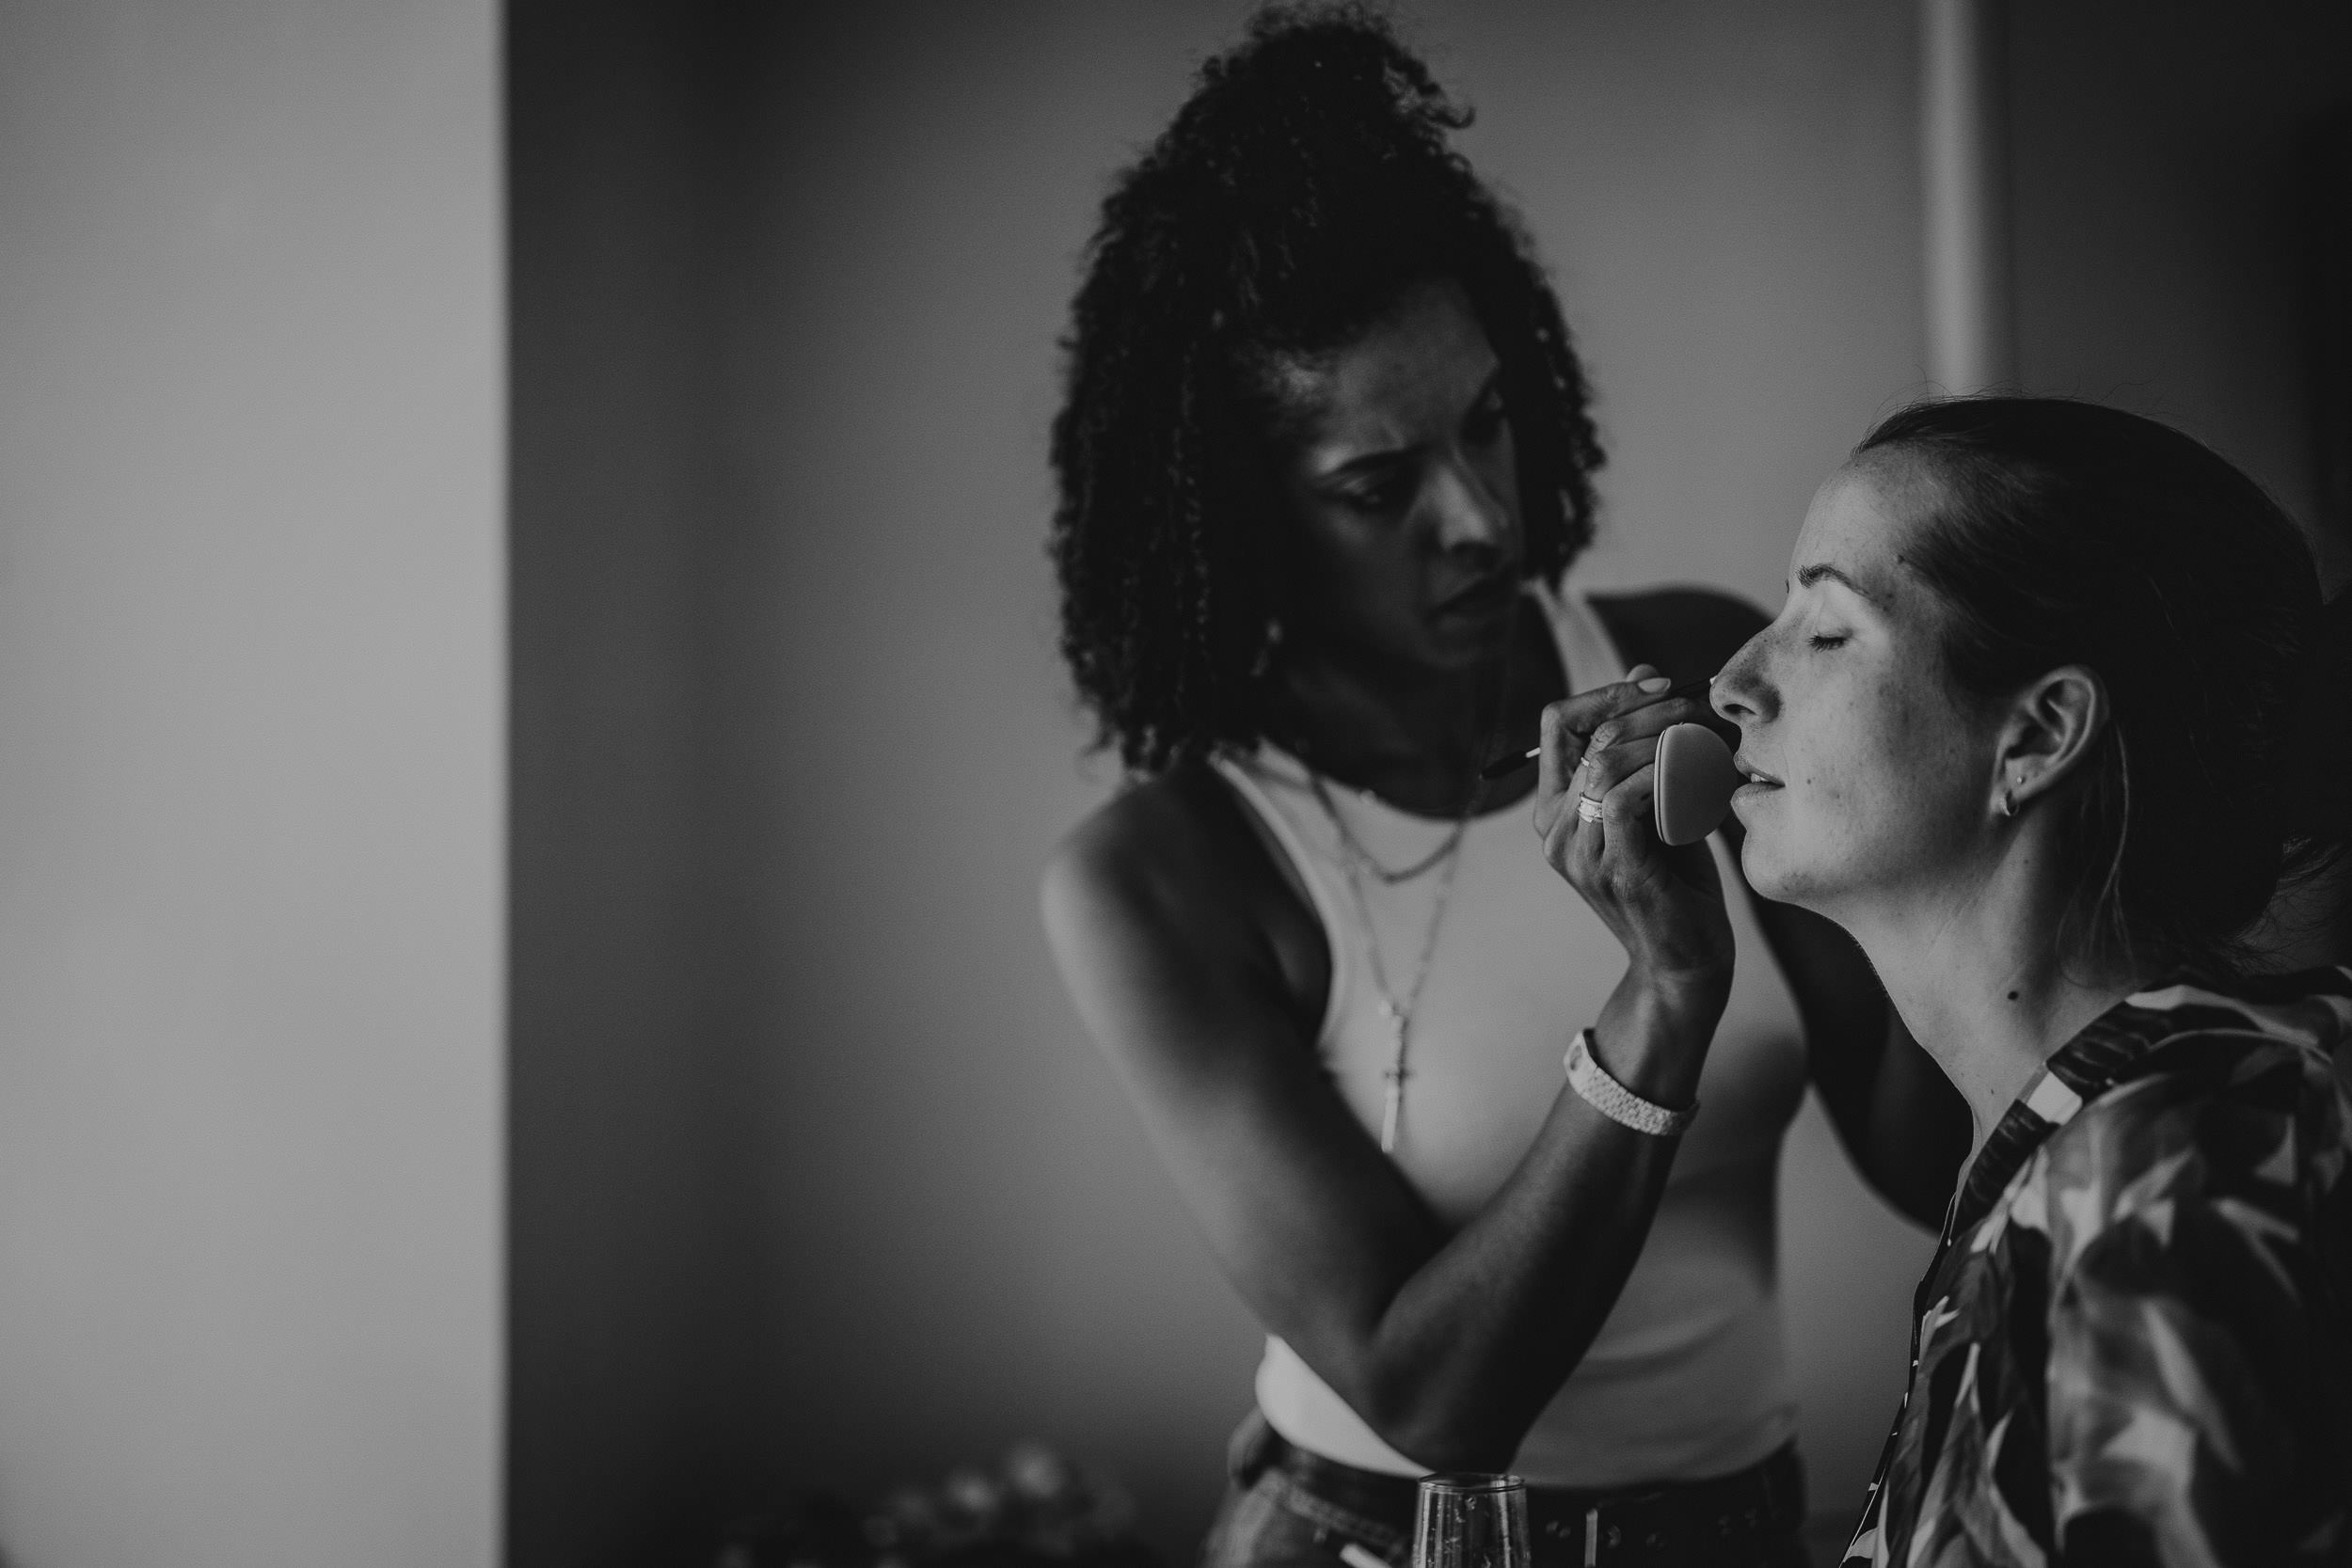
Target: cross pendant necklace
[1356, 862]
[1399, 1014]
[1393, 1110]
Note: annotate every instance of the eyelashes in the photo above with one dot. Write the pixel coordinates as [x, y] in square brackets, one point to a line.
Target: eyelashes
[1820, 642]
[1389, 489]
[1375, 499]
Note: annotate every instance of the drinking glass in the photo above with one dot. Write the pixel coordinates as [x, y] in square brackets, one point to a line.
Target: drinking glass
[1470, 1519]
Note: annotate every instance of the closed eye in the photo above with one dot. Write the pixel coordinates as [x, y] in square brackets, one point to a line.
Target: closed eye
[1380, 496]
[1819, 640]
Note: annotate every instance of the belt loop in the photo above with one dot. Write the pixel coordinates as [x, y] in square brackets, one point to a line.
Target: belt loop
[1592, 1538]
[1255, 1446]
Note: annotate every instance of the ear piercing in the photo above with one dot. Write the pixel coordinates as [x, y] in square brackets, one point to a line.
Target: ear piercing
[1268, 645]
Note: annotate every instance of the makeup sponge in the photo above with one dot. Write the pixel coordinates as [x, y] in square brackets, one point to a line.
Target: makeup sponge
[1695, 783]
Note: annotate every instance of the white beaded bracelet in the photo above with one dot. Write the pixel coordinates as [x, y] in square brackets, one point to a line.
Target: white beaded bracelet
[1613, 1100]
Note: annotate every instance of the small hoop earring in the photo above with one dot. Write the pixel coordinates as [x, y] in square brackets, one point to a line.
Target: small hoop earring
[1266, 648]
[2009, 802]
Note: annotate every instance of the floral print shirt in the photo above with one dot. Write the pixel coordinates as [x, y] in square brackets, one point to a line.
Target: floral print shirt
[2134, 1344]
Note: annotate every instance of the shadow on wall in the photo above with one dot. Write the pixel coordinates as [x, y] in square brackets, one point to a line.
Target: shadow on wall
[814, 1179]
[2169, 216]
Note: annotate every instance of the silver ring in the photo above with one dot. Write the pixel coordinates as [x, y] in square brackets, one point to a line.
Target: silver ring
[1587, 809]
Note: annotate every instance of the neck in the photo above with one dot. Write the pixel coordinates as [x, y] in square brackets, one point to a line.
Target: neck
[1417, 738]
[1347, 711]
[1975, 974]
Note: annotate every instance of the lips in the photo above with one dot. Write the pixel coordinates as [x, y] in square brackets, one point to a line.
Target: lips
[1753, 774]
[1484, 597]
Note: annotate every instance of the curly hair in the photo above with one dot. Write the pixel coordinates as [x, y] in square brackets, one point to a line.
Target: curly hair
[1304, 187]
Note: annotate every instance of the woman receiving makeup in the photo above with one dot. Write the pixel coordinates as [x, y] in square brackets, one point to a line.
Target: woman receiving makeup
[1492, 1158]
[2019, 728]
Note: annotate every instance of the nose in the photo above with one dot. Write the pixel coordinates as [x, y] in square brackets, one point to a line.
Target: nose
[1740, 692]
[1470, 515]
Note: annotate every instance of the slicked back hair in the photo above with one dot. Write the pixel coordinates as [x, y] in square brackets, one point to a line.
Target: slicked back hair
[2065, 533]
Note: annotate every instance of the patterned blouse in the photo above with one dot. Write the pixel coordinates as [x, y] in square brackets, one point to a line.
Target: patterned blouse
[2134, 1344]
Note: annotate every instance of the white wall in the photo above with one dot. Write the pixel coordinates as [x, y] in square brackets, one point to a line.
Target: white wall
[251, 703]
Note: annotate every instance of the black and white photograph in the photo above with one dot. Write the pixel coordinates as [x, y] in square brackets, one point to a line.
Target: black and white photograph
[1176, 783]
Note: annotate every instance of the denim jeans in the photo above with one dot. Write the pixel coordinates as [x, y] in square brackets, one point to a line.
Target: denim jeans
[1284, 1508]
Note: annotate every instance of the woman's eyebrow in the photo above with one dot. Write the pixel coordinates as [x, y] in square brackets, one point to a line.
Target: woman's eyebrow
[1808, 576]
[1381, 457]
[1365, 463]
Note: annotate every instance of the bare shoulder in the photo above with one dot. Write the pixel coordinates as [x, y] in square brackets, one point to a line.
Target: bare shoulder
[1686, 632]
[1164, 843]
[1168, 887]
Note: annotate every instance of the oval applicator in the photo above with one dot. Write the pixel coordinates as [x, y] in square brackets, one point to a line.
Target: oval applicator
[1695, 783]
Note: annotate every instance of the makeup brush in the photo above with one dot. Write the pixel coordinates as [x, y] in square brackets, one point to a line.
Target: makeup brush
[1505, 766]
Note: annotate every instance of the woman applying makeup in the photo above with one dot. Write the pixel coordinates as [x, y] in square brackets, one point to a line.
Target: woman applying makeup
[1324, 461]
[2019, 729]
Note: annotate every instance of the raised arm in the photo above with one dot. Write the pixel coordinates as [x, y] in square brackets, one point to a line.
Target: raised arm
[1447, 1344]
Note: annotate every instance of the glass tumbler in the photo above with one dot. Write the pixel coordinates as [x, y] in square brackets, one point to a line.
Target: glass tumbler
[1470, 1519]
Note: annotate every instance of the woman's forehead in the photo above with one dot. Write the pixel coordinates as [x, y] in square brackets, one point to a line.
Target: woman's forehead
[1861, 531]
[1420, 362]
[1859, 521]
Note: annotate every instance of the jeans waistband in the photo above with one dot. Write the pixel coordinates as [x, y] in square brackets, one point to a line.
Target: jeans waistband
[1673, 1519]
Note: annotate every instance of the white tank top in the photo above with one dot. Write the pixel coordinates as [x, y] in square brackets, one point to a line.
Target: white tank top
[1685, 1379]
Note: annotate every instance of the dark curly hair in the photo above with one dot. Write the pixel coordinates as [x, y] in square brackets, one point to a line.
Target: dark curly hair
[1303, 188]
[2064, 532]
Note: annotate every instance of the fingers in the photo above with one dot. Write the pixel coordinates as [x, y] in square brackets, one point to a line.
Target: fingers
[1624, 800]
[1586, 711]
[1564, 751]
[1595, 742]
[1643, 723]
[1638, 705]
[1559, 751]
[1625, 805]
[1612, 850]
[1555, 756]
[1612, 759]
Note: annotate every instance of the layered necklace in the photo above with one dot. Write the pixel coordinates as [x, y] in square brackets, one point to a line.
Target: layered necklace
[1360, 867]
[1357, 863]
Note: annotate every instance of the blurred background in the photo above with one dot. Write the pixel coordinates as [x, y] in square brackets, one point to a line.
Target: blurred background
[531, 717]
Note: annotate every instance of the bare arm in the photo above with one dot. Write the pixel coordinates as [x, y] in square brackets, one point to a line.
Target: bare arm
[1448, 1345]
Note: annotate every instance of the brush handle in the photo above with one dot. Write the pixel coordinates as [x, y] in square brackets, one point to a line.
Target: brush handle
[1504, 766]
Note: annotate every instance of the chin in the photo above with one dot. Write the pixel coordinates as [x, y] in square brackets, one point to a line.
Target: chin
[1773, 874]
[1463, 660]
[1755, 865]
[1464, 651]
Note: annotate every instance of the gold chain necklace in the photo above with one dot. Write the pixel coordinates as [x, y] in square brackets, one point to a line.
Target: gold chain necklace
[1354, 862]
[1352, 849]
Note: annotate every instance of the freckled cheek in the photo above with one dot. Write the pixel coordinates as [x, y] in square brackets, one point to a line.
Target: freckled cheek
[1855, 770]
[1916, 766]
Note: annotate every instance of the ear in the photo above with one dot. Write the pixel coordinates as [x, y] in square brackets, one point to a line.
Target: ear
[2052, 726]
